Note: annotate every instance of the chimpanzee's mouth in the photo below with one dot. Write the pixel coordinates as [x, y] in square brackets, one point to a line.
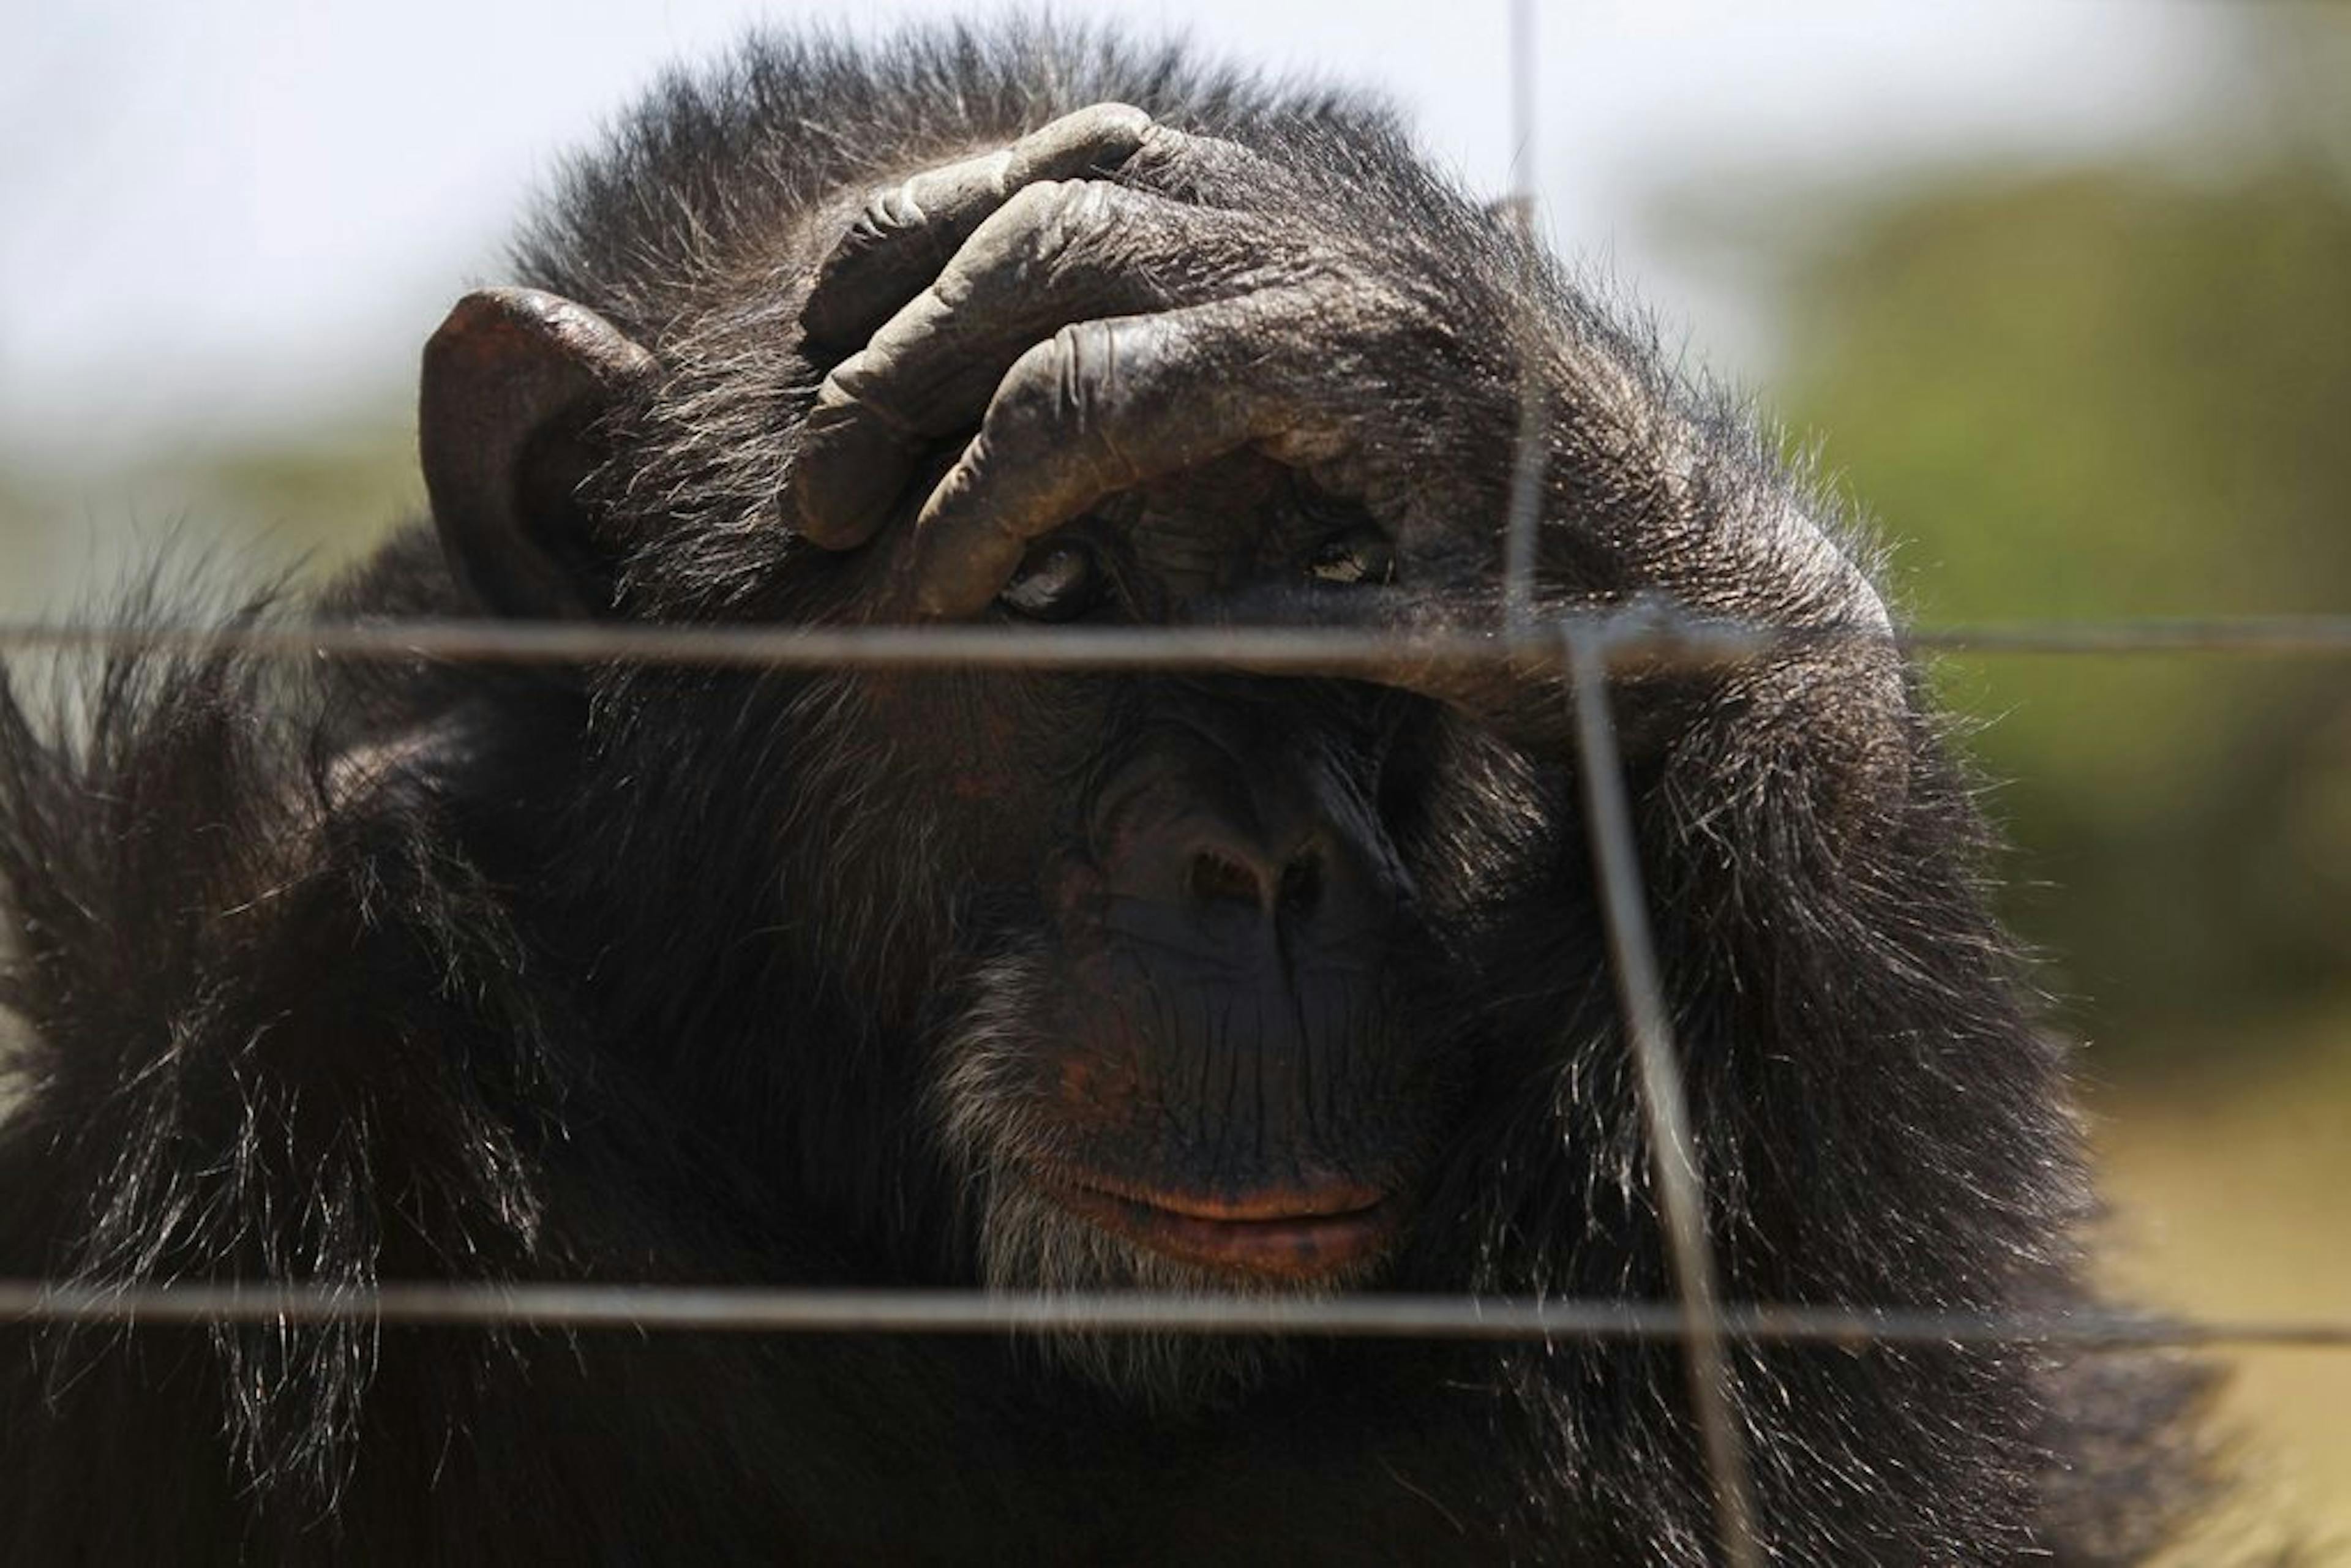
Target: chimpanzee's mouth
[1301, 1234]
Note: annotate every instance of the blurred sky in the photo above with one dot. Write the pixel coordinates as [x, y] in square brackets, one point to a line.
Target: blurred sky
[220, 213]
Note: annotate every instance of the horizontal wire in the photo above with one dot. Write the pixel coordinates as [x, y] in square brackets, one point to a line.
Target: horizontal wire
[1643, 632]
[767, 1310]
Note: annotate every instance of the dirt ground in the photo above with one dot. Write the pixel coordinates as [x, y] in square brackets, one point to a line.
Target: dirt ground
[2231, 1185]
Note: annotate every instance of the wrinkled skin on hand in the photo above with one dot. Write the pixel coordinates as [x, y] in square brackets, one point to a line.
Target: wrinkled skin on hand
[1098, 334]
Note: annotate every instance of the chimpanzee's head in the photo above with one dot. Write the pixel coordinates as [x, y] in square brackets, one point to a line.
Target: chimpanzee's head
[1184, 955]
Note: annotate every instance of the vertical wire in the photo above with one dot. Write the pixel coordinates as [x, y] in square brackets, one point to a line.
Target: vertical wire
[1529, 454]
[1681, 1190]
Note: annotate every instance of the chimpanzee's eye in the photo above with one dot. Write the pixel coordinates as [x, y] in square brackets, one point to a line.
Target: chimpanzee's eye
[1358, 556]
[1059, 582]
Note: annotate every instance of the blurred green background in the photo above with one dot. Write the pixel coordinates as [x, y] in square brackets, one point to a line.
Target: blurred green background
[2123, 390]
[2112, 393]
[2119, 388]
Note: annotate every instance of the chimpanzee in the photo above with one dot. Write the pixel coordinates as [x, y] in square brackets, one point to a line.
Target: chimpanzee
[1235, 979]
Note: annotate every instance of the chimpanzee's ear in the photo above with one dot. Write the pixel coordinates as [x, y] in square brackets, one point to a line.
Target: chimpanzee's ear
[513, 382]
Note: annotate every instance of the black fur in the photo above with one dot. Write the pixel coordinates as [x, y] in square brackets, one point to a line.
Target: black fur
[370, 973]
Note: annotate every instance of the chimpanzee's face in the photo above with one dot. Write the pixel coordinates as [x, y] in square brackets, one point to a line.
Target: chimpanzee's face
[1191, 1042]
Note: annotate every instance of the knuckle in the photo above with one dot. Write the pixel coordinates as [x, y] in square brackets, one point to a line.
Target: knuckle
[1165, 159]
[1061, 396]
[1043, 205]
[1029, 205]
[1044, 224]
[1042, 393]
[894, 207]
[886, 212]
[1112, 117]
[847, 392]
[835, 406]
[1098, 137]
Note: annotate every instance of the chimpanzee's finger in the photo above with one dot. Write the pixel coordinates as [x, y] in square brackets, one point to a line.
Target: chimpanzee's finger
[907, 232]
[1102, 407]
[1052, 255]
[1208, 171]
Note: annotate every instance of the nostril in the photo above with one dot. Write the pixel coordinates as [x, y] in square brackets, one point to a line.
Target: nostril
[1220, 879]
[1221, 875]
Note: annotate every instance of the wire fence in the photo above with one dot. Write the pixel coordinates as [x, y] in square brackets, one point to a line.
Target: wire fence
[756, 1309]
[1651, 632]
[1582, 648]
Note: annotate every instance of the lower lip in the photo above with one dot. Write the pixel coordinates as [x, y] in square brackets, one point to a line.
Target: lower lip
[1311, 1242]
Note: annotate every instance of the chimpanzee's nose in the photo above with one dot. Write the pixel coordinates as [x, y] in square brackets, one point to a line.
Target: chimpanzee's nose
[1241, 865]
[1244, 839]
[1232, 872]
[1224, 877]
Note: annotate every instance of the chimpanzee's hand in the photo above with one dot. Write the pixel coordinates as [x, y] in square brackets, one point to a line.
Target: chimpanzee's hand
[1099, 333]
